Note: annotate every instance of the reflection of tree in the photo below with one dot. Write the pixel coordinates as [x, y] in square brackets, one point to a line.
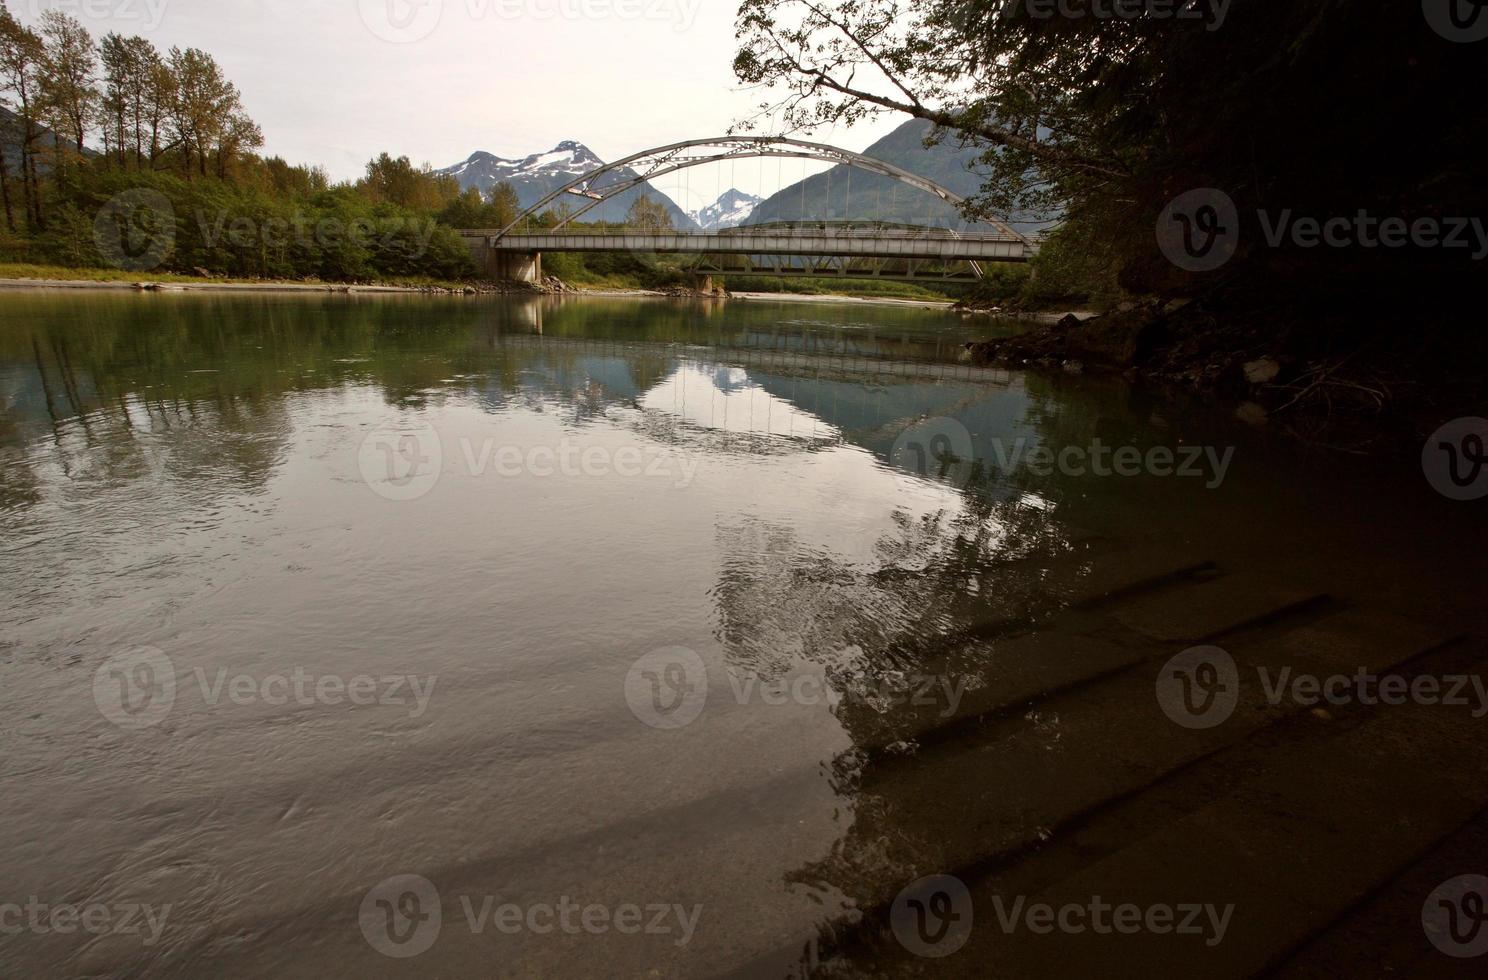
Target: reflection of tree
[943, 579]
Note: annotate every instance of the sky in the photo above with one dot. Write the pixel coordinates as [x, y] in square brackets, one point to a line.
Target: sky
[334, 82]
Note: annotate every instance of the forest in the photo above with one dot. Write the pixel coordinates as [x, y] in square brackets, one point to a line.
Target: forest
[120, 155]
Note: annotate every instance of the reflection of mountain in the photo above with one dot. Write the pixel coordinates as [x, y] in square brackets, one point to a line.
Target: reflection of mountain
[727, 400]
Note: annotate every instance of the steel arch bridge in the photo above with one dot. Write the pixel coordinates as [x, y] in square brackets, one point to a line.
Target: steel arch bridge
[869, 249]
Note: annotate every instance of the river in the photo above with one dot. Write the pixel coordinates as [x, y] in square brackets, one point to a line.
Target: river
[560, 636]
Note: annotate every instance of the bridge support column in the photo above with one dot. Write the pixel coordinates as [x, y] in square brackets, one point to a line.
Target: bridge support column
[514, 266]
[504, 264]
[702, 282]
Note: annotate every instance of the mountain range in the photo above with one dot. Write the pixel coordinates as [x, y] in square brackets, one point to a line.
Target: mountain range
[847, 192]
[536, 176]
[834, 194]
[729, 211]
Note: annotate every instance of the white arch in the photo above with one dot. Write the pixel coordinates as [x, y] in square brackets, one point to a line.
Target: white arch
[663, 160]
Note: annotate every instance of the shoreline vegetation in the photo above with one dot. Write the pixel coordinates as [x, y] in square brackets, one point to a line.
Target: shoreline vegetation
[1246, 233]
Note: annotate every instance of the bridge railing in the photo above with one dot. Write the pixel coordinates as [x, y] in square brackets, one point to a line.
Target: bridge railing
[775, 230]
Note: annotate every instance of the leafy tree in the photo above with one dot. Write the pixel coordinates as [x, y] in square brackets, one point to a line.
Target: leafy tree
[22, 58]
[137, 87]
[648, 216]
[1106, 120]
[69, 64]
[204, 110]
[506, 204]
[398, 181]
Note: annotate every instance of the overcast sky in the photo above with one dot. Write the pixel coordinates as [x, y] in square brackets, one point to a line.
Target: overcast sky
[335, 81]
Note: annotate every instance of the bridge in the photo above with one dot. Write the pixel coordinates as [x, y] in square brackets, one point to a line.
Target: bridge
[867, 249]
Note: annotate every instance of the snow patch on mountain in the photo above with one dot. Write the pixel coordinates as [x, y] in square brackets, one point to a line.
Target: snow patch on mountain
[729, 211]
[534, 177]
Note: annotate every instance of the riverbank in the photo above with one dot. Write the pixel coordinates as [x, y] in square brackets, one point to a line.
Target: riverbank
[924, 304]
[1337, 377]
[47, 277]
[18, 276]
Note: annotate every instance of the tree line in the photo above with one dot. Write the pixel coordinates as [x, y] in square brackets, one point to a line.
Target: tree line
[84, 121]
[1322, 107]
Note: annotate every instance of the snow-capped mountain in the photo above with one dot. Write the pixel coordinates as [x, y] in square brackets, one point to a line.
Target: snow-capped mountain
[536, 176]
[729, 211]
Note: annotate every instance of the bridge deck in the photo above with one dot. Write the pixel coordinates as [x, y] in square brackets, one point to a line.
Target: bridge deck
[977, 248]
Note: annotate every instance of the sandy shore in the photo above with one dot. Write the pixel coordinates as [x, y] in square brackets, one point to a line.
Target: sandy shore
[926, 304]
[300, 287]
[207, 287]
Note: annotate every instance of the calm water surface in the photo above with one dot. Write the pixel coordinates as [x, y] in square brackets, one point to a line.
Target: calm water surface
[409, 561]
